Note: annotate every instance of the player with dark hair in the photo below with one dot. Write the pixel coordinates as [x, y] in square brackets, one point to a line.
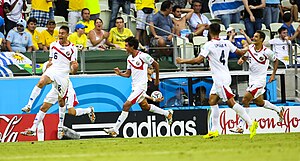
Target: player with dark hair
[217, 51]
[137, 64]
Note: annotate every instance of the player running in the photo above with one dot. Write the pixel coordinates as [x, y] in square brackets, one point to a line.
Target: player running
[62, 61]
[217, 51]
[258, 57]
[137, 65]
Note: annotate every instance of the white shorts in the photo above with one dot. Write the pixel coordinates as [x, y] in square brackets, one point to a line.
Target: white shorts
[137, 96]
[223, 91]
[256, 90]
[60, 81]
[71, 99]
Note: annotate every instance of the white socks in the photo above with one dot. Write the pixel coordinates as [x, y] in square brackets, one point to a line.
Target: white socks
[38, 118]
[61, 114]
[242, 113]
[82, 111]
[34, 94]
[271, 106]
[120, 120]
[214, 117]
[158, 110]
[241, 121]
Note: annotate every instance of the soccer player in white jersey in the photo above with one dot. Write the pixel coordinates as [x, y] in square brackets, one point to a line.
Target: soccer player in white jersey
[62, 61]
[258, 57]
[217, 51]
[137, 65]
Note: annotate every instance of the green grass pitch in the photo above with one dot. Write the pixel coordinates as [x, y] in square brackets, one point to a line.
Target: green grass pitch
[264, 147]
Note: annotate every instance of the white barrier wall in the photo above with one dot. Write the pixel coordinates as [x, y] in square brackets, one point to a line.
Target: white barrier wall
[267, 120]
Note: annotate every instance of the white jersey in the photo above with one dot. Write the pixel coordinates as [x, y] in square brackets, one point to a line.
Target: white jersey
[258, 64]
[62, 56]
[281, 49]
[138, 66]
[217, 52]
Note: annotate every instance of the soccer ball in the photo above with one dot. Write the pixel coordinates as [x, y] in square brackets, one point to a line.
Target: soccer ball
[156, 94]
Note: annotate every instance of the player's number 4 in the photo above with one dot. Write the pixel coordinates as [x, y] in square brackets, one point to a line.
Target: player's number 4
[222, 58]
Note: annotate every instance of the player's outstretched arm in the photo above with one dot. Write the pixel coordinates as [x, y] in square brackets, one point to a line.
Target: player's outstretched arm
[156, 67]
[275, 66]
[126, 74]
[197, 60]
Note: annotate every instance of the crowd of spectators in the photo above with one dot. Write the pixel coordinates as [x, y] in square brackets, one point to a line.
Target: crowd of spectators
[183, 18]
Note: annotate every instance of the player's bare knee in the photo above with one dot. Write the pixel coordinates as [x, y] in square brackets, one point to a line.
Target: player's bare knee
[72, 111]
[145, 106]
[259, 103]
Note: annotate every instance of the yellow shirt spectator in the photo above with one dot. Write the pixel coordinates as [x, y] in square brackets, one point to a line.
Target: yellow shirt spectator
[76, 5]
[89, 25]
[76, 40]
[41, 5]
[93, 6]
[140, 4]
[47, 38]
[36, 38]
[118, 38]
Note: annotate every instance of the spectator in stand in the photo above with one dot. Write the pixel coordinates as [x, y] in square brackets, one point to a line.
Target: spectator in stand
[118, 34]
[293, 10]
[18, 40]
[145, 10]
[287, 23]
[2, 14]
[281, 45]
[40, 11]
[61, 8]
[98, 37]
[115, 6]
[49, 35]
[162, 20]
[75, 8]
[94, 7]
[271, 12]
[85, 13]
[13, 11]
[199, 23]
[180, 23]
[2, 37]
[79, 38]
[253, 15]
[36, 36]
[227, 11]
[181, 3]
[230, 36]
[200, 98]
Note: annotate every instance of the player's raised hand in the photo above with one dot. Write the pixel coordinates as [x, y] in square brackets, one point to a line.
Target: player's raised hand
[240, 61]
[117, 71]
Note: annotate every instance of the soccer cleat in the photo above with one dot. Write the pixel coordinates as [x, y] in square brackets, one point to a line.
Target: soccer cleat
[26, 109]
[253, 128]
[169, 118]
[92, 115]
[280, 114]
[28, 132]
[237, 130]
[60, 133]
[111, 132]
[211, 134]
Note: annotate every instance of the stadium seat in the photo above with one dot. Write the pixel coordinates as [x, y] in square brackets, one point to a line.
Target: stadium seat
[263, 26]
[180, 41]
[105, 17]
[267, 32]
[222, 27]
[295, 25]
[189, 52]
[158, 5]
[266, 41]
[275, 26]
[286, 3]
[198, 42]
[237, 26]
[59, 19]
[223, 33]
[208, 15]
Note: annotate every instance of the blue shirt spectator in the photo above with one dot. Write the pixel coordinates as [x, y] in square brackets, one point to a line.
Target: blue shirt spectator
[291, 30]
[18, 39]
[163, 22]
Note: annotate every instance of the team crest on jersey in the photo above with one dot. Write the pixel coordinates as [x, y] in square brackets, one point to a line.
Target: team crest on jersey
[68, 53]
[262, 58]
[138, 63]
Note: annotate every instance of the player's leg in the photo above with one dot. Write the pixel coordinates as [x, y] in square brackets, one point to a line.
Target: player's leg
[44, 80]
[72, 102]
[213, 102]
[61, 114]
[37, 120]
[259, 101]
[152, 108]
